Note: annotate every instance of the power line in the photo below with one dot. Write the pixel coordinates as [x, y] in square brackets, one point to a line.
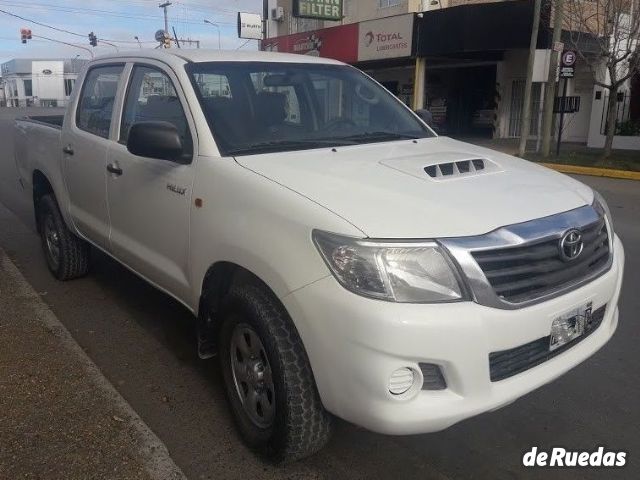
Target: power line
[41, 24]
[64, 30]
[64, 43]
[99, 13]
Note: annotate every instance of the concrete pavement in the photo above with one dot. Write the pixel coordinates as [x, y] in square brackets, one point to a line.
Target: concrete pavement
[144, 343]
[60, 418]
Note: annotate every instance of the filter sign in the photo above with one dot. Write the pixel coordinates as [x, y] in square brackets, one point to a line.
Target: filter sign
[318, 9]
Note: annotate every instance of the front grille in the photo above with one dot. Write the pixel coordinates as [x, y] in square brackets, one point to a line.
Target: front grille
[507, 363]
[523, 273]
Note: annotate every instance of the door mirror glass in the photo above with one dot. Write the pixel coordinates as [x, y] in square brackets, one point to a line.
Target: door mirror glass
[159, 140]
[425, 115]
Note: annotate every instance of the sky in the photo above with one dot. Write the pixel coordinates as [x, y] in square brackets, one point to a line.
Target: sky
[119, 20]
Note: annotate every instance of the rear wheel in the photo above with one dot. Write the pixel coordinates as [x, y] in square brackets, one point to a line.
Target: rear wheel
[67, 255]
[268, 378]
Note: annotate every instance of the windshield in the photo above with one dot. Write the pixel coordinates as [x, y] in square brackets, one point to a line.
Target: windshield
[258, 107]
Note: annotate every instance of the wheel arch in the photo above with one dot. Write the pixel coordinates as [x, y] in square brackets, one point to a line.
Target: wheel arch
[218, 280]
[41, 186]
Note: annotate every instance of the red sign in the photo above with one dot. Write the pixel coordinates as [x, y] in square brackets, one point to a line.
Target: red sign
[339, 43]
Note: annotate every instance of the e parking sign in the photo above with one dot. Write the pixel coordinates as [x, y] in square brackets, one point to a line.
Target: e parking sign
[567, 64]
[569, 58]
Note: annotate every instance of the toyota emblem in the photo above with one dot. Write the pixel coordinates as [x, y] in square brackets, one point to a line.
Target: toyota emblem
[571, 245]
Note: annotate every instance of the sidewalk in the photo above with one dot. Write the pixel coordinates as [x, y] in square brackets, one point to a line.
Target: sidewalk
[575, 158]
[60, 418]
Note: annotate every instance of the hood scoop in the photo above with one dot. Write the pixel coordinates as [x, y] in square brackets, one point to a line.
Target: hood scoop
[443, 166]
[451, 169]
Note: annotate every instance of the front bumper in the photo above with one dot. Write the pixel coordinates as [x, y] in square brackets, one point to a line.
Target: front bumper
[355, 344]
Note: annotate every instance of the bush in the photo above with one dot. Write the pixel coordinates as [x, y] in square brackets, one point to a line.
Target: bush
[628, 128]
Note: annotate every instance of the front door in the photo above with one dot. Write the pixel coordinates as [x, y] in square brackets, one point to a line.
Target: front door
[149, 198]
[85, 146]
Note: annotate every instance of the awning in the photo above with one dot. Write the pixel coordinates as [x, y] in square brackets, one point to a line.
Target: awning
[470, 29]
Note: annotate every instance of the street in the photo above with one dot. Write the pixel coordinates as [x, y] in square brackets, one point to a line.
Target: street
[144, 343]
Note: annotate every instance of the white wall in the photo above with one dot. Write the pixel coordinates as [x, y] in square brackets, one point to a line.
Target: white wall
[48, 85]
[514, 67]
[597, 139]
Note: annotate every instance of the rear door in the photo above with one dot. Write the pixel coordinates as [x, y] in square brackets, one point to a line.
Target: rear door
[85, 143]
[150, 200]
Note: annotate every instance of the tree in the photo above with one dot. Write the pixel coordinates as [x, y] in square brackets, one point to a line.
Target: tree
[605, 33]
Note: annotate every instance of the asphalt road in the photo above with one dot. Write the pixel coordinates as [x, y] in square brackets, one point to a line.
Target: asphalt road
[144, 343]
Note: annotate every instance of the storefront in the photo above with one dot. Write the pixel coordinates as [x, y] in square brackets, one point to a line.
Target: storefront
[383, 48]
[465, 50]
[465, 64]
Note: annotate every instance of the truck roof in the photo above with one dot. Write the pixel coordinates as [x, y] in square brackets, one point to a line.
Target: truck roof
[177, 55]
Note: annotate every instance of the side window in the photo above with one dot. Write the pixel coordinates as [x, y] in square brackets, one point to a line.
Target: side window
[152, 97]
[95, 106]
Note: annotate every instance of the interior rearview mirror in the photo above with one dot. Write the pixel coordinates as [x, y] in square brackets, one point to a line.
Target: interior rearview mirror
[159, 140]
[282, 80]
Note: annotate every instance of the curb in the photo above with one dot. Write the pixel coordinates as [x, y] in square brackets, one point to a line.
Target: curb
[153, 452]
[593, 171]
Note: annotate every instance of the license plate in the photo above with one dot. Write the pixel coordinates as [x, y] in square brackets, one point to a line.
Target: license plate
[570, 326]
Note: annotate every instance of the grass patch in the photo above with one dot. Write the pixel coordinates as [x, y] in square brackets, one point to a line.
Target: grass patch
[619, 160]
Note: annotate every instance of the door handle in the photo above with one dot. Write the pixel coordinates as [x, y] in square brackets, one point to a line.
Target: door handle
[115, 169]
[67, 150]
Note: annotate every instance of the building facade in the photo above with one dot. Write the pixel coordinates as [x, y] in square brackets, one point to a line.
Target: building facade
[39, 82]
[464, 60]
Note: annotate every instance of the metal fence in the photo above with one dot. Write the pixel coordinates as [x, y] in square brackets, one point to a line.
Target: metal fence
[623, 104]
[517, 106]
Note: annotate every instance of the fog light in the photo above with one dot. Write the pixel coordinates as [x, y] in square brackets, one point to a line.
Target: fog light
[401, 381]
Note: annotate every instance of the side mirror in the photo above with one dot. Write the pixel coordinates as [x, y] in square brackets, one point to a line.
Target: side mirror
[159, 140]
[425, 115]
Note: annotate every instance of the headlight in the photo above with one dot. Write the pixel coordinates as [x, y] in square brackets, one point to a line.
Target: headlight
[397, 272]
[600, 205]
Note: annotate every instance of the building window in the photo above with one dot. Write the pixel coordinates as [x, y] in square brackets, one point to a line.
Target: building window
[388, 3]
[28, 88]
[68, 86]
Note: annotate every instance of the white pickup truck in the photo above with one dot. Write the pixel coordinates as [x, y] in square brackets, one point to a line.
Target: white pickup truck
[340, 257]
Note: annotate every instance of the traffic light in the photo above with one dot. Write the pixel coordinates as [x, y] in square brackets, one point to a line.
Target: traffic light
[25, 34]
[93, 40]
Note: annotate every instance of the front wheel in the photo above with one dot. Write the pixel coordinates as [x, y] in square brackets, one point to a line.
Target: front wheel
[268, 378]
[67, 255]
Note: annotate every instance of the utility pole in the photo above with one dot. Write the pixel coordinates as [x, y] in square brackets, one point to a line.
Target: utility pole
[526, 110]
[166, 18]
[550, 89]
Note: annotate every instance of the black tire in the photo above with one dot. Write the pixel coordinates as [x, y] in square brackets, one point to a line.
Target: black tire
[67, 255]
[300, 425]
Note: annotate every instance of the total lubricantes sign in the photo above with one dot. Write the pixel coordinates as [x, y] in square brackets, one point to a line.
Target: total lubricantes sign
[389, 37]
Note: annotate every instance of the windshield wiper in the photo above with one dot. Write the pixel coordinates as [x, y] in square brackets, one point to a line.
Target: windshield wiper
[276, 146]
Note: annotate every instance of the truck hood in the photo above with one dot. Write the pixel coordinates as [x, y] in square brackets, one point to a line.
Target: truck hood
[427, 189]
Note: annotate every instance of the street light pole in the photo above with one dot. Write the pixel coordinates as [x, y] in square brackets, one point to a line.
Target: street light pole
[218, 27]
[166, 18]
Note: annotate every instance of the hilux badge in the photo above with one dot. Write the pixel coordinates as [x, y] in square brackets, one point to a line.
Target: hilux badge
[571, 245]
[176, 189]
